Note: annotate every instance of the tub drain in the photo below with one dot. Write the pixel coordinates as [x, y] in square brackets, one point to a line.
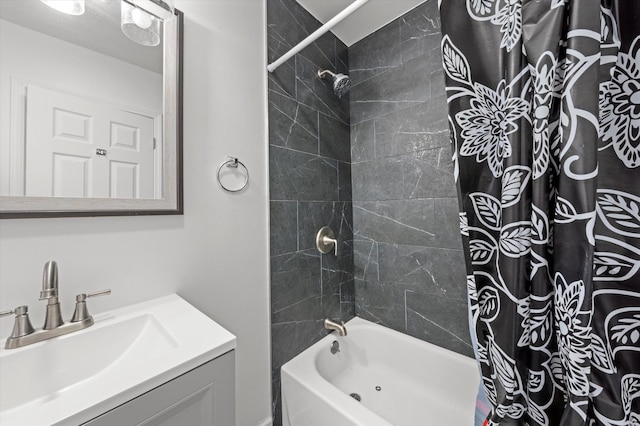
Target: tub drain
[355, 396]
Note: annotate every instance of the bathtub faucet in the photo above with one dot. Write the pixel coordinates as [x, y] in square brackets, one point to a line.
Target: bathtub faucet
[332, 325]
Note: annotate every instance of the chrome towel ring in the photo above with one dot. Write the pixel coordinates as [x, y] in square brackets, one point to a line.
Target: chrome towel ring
[233, 162]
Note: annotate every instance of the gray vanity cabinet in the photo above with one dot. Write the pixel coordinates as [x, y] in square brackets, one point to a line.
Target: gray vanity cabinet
[204, 396]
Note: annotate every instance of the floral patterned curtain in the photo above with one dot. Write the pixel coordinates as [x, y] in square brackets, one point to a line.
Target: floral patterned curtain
[544, 112]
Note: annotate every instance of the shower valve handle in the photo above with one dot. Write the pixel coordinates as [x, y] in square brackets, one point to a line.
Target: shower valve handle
[326, 240]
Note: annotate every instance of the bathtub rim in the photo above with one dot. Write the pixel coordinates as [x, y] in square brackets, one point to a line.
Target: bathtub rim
[314, 382]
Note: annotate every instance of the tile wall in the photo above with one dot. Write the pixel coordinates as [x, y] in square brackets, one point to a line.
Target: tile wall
[376, 167]
[408, 261]
[310, 187]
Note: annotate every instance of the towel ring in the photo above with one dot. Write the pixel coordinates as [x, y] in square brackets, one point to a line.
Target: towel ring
[233, 162]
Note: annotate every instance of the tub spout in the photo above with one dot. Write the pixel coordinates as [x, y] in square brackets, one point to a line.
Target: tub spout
[332, 325]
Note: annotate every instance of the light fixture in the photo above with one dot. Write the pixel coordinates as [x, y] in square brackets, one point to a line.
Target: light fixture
[140, 19]
[70, 7]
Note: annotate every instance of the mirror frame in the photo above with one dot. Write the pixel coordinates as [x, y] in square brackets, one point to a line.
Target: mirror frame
[19, 207]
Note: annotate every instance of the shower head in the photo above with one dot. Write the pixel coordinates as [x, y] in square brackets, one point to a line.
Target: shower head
[341, 82]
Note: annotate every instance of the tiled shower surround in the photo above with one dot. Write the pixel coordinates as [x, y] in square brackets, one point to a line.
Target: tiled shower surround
[376, 167]
[409, 265]
[310, 187]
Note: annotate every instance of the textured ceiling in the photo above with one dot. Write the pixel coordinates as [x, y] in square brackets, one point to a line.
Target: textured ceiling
[373, 15]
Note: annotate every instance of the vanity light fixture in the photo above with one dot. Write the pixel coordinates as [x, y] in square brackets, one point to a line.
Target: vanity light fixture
[140, 19]
[70, 7]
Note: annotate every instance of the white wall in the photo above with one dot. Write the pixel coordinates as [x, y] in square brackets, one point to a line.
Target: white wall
[216, 255]
[33, 57]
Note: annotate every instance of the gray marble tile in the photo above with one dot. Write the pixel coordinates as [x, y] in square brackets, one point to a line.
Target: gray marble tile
[322, 52]
[277, 44]
[289, 21]
[287, 24]
[299, 335]
[348, 310]
[342, 265]
[438, 320]
[347, 294]
[331, 306]
[428, 270]
[447, 223]
[382, 304]
[283, 79]
[382, 179]
[309, 308]
[342, 221]
[294, 277]
[438, 87]
[292, 124]
[342, 57]
[334, 138]
[420, 30]
[345, 192]
[376, 53]
[363, 141]
[276, 397]
[365, 260]
[395, 89]
[396, 221]
[313, 215]
[283, 229]
[317, 92]
[428, 174]
[299, 176]
[416, 128]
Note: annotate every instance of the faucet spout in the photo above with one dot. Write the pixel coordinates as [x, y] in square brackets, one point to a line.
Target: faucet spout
[53, 317]
[49, 281]
[332, 325]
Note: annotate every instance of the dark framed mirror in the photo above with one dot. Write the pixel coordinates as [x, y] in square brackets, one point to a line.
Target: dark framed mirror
[90, 109]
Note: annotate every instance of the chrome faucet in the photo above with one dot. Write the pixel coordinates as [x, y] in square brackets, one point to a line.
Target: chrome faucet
[23, 333]
[332, 325]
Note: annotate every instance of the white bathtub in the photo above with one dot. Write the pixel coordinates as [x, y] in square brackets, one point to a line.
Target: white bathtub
[402, 381]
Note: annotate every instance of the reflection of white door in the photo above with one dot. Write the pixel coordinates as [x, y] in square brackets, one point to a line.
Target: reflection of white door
[79, 147]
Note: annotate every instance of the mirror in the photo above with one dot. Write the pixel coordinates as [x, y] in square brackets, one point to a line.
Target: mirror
[90, 121]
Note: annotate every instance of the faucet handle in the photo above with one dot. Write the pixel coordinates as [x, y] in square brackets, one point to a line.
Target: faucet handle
[81, 313]
[82, 296]
[22, 325]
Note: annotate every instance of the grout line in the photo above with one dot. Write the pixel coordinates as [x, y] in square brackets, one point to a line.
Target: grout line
[405, 311]
[306, 152]
[297, 226]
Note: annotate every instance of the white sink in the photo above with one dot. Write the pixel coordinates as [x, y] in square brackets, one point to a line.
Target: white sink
[71, 379]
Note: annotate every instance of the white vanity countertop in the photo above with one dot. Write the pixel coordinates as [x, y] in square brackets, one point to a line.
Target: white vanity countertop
[71, 379]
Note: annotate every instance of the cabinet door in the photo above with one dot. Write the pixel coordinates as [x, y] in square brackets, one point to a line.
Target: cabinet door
[204, 396]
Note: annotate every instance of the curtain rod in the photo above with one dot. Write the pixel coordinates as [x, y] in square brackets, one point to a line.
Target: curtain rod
[316, 34]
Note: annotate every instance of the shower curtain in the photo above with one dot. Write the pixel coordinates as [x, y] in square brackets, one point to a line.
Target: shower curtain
[544, 114]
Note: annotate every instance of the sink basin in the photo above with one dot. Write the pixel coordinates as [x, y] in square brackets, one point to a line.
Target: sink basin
[73, 378]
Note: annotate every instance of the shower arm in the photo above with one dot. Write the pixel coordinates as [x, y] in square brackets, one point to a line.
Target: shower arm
[321, 73]
[317, 34]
